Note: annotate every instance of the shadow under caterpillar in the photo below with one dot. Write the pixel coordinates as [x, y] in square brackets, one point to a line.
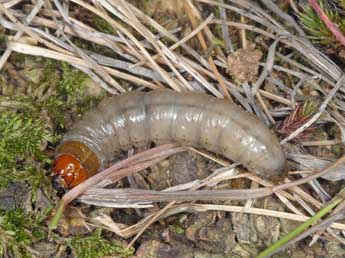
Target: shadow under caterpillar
[162, 116]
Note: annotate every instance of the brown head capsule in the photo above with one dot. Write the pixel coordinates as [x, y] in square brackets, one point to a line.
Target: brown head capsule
[70, 171]
[74, 163]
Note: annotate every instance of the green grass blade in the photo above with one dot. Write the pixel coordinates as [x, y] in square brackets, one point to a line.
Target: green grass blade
[299, 229]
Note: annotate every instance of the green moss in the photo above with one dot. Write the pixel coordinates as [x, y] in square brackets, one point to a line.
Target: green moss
[342, 3]
[72, 83]
[103, 26]
[13, 223]
[50, 75]
[61, 88]
[338, 150]
[21, 136]
[17, 58]
[18, 230]
[96, 246]
[31, 118]
[2, 40]
[177, 229]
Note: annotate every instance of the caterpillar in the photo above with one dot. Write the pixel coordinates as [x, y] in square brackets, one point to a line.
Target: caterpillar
[136, 119]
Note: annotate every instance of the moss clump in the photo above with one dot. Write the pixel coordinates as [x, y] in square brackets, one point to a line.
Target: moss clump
[71, 94]
[22, 140]
[103, 26]
[2, 41]
[21, 137]
[72, 83]
[19, 230]
[33, 114]
[96, 246]
[178, 229]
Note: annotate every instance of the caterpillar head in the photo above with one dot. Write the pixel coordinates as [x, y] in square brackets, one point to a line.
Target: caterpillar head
[74, 163]
[69, 171]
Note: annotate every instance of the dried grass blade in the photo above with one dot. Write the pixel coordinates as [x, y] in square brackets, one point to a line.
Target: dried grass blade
[27, 21]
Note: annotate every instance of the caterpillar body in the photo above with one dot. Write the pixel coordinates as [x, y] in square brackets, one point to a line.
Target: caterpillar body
[162, 116]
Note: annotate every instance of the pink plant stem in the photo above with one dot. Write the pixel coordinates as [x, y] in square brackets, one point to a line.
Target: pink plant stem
[330, 25]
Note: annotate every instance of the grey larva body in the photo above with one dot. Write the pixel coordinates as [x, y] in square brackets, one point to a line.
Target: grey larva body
[189, 119]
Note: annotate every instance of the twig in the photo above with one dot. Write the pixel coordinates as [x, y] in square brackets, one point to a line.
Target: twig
[275, 97]
[243, 34]
[144, 52]
[193, 16]
[95, 66]
[122, 196]
[264, 107]
[225, 29]
[193, 208]
[11, 3]
[322, 143]
[246, 27]
[28, 19]
[114, 195]
[298, 86]
[303, 46]
[311, 177]
[287, 18]
[152, 219]
[38, 51]
[267, 68]
[181, 42]
[151, 22]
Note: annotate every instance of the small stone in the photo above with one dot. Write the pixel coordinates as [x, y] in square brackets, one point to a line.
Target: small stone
[44, 249]
[14, 196]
